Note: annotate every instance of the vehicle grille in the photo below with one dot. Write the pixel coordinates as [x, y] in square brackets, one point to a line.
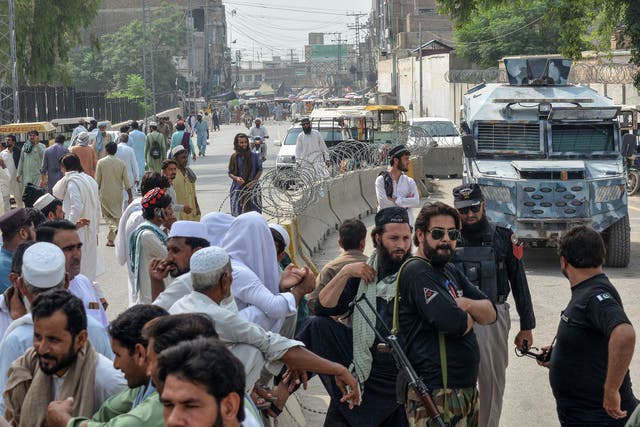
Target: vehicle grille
[549, 199]
[509, 136]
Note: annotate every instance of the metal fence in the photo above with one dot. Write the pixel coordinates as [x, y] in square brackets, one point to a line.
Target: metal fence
[44, 103]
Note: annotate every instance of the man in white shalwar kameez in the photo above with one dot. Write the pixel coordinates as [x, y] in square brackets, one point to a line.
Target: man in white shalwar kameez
[78, 192]
[148, 243]
[262, 297]
[211, 277]
[311, 151]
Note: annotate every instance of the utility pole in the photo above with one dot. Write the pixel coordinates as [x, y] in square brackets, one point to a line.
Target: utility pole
[9, 106]
[191, 78]
[357, 28]
[147, 64]
[420, 47]
[338, 82]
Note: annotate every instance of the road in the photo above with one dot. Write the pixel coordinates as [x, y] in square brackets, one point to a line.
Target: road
[528, 399]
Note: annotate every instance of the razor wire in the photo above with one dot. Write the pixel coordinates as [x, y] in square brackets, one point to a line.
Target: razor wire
[583, 73]
[285, 192]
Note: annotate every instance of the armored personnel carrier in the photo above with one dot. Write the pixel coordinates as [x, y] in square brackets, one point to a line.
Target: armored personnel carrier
[547, 155]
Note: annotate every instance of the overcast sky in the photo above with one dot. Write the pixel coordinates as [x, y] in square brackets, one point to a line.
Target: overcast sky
[262, 28]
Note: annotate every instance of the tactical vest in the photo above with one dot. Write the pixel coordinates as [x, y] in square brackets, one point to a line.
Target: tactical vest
[479, 264]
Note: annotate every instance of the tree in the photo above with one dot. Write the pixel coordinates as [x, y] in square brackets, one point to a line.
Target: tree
[584, 23]
[45, 33]
[120, 54]
[505, 30]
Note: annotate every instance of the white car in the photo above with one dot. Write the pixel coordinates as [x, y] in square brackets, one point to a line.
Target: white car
[434, 131]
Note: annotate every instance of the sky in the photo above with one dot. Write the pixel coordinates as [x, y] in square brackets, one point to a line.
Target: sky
[262, 28]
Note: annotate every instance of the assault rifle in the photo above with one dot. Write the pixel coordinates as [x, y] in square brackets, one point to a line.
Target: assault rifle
[391, 345]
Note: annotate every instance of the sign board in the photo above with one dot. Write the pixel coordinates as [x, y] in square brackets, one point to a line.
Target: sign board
[328, 52]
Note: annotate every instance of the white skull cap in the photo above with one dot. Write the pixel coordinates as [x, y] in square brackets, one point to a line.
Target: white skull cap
[283, 232]
[189, 229]
[208, 260]
[43, 265]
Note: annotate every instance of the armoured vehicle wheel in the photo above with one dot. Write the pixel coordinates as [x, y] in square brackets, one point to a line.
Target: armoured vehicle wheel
[633, 182]
[617, 239]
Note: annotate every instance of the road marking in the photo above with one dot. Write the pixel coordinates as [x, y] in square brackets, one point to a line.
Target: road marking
[634, 208]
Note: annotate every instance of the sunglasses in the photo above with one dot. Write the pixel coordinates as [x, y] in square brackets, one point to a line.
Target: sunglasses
[473, 208]
[438, 233]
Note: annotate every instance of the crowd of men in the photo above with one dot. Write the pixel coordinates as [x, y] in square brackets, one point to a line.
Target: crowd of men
[221, 326]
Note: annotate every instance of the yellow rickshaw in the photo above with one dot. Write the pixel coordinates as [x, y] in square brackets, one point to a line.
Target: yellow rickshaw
[46, 129]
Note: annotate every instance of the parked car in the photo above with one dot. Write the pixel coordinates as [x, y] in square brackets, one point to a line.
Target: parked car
[434, 131]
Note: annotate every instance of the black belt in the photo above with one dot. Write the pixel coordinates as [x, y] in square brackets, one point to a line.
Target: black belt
[502, 299]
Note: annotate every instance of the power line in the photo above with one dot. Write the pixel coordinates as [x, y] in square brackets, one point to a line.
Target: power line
[288, 9]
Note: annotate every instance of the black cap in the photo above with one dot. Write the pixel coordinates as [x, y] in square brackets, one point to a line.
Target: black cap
[393, 214]
[305, 120]
[398, 150]
[13, 220]
[467, 195]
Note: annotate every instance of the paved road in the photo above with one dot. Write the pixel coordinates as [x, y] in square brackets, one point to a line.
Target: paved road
[528, 399]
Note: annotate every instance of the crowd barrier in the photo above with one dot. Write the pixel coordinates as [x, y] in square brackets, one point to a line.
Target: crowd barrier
[442, 162]
[346, 198]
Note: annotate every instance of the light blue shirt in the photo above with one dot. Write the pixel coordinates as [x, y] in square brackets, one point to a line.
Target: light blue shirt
[136, 141]
[20, 339]
[5, 268]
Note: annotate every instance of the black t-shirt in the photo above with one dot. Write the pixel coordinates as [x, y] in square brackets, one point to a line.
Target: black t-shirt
[579, 358]
[427, 307]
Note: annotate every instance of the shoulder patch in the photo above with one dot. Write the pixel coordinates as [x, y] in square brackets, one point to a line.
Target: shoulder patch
[429, 295]
[603, 296]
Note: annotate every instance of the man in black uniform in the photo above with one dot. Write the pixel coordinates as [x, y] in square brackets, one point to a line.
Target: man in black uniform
[589, 367]
[491, 258]
[376, 371]
[438, 308]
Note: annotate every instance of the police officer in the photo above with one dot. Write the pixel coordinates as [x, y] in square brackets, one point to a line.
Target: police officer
[491, 258]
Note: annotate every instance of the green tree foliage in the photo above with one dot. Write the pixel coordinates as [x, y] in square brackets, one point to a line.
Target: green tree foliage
[46, 31]
[505, 30]
[110, 66]
[582, 24]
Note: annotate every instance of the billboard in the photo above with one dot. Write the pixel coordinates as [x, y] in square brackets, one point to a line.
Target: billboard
[328, 52]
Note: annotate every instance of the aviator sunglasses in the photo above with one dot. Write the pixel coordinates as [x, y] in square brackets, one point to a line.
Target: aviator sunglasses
[473, 208]
[437, 233]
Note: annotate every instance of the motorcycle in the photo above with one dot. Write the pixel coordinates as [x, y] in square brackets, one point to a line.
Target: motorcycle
[258, 146]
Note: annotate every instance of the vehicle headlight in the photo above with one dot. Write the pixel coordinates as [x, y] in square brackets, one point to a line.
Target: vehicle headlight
[499, 194]
[609, 192]
[286, 159]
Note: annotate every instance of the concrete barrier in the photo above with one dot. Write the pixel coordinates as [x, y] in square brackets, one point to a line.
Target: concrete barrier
[443, 162]
[368, 186]
[345, 198]
[316, 222]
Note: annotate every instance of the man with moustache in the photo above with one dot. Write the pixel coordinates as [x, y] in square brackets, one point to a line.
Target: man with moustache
[357, 345]
[62, 365]
[311, 151]
[439, 308]
[491, 258]
[185, 238]
[394, 187]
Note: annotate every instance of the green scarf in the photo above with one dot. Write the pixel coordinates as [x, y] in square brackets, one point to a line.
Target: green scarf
[363, 335]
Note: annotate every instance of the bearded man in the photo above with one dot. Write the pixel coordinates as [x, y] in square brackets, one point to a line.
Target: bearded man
[311, 151]
[439, 308]
[357, 345]
[245, 169]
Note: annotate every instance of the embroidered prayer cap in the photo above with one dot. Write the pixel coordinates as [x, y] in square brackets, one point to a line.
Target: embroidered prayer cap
[283, 232]
[43, 265]
[398, 151]
[177, 150]
[189, 229]
[152, 197]
[208, 260]
[467, 195]
[13, 220]
[393, 214]
[43, 201]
